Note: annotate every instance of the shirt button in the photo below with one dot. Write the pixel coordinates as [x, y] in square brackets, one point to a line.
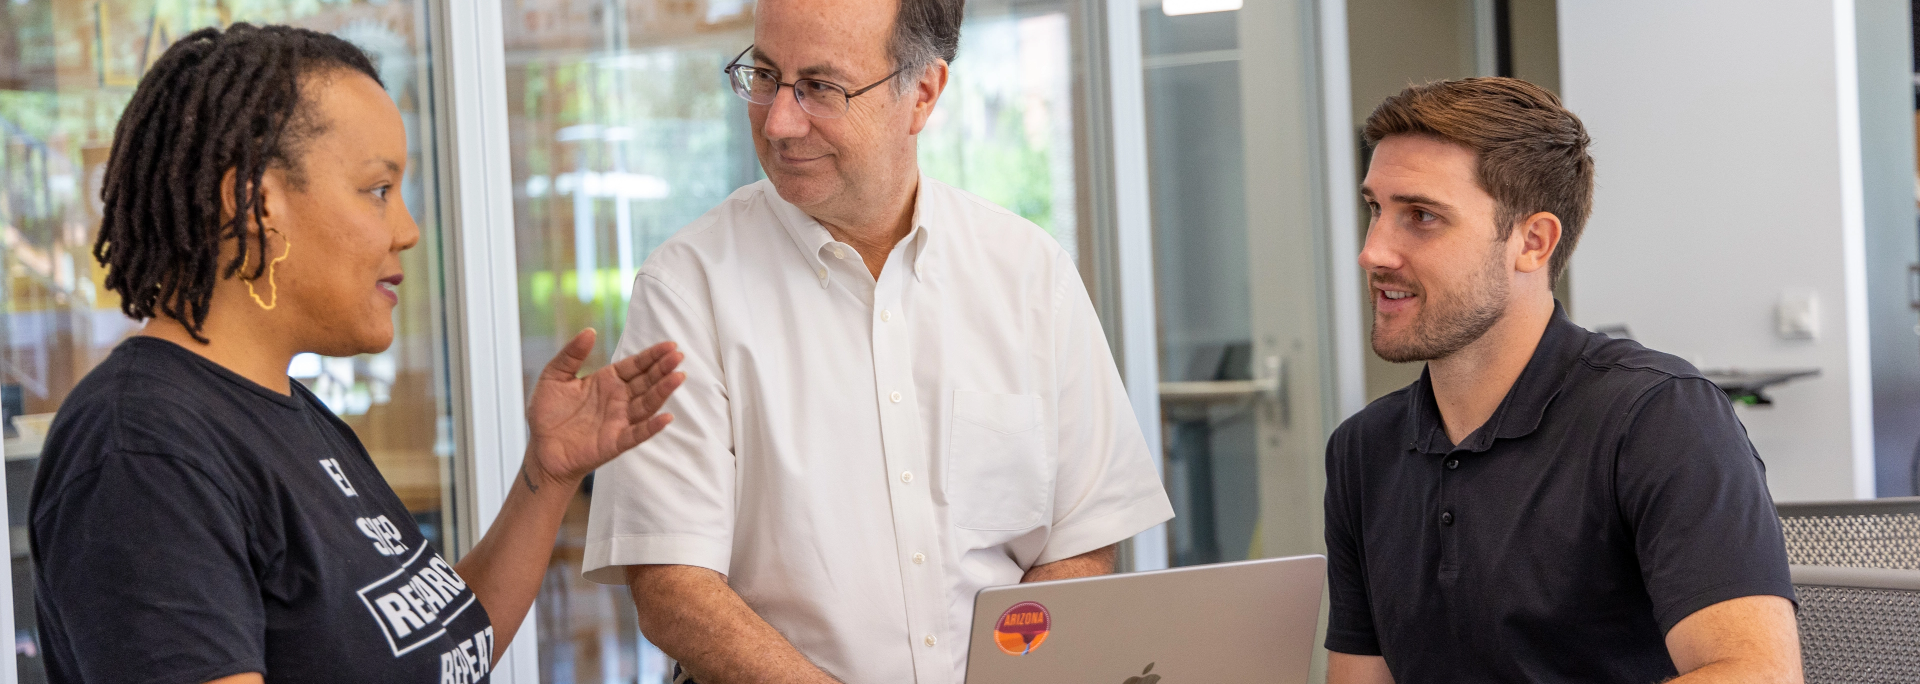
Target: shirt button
[1446, 518]
[919, 559]
[1453, 463]
[895, 397]
[839, 253]
[906, 476]
[885, 315]
[822, 273]
[931, 640]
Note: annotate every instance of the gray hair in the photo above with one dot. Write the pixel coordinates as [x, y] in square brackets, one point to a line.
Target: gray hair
[923, 32]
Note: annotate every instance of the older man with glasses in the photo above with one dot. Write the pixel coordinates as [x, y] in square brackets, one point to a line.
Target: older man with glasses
[897, 393]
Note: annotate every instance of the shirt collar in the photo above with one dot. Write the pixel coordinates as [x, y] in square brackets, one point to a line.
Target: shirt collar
[812, 239]
[1525, 405]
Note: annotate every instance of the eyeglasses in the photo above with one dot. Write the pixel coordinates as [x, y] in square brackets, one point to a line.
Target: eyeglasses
[823, 99]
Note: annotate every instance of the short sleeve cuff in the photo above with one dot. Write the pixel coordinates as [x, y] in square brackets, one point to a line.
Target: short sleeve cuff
[605, 560]
[1671, 616]
[232, 669]
[1076, 537]
[1352, 644]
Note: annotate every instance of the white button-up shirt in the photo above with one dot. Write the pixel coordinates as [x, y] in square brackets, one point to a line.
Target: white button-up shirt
[861, 456]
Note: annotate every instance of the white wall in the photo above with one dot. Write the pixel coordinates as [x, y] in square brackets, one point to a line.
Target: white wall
[1726, 134]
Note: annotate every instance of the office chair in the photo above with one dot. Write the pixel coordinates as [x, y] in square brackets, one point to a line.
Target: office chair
[1856, 568]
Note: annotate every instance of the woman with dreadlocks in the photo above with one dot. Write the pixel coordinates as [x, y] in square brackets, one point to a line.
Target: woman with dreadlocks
[198, 516]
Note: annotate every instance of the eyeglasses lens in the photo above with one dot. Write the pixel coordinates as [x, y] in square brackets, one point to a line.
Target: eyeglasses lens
[821, 99]
[818, 98]
[754, 86]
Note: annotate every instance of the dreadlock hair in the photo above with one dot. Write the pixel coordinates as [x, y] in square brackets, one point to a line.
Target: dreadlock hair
[217, 101]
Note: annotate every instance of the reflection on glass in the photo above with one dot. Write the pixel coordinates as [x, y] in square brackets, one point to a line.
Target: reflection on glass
[1195, 160]
[67, 69]
[1004, 127]
[624, 130]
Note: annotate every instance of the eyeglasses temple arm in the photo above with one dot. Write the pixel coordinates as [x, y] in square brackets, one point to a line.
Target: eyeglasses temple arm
[736, 59]
[875, 84]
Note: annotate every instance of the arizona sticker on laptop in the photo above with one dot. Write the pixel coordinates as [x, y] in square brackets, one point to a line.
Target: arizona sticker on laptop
[1022, 628]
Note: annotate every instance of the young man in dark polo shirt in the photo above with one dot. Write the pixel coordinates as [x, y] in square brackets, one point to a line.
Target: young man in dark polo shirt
[1546, 504]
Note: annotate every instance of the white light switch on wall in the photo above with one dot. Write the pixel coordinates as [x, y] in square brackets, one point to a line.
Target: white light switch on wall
[1797, 316]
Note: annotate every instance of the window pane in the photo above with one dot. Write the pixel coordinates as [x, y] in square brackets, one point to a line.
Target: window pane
[1236, 162]
[1004, 128]
[67, 69]
[1199, 246]
[624, 130]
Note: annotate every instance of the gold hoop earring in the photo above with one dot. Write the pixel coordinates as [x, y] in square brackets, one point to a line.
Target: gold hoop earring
[273, 288]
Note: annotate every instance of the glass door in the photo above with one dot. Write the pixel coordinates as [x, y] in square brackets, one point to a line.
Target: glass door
[1257, 347]
[67, 69]
[1196, 156]
[1255, 278]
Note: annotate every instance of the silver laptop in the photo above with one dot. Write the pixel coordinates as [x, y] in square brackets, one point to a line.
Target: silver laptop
[1251, 621]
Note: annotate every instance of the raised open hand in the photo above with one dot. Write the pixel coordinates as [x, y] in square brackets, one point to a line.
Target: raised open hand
[577, 423]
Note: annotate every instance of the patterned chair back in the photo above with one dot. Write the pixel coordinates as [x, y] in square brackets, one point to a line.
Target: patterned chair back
[1856, 568]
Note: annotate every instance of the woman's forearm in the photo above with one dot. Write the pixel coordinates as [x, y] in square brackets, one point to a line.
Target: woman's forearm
[506, 567]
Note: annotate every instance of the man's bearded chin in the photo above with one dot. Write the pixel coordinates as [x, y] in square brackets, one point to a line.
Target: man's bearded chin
[1442, 327]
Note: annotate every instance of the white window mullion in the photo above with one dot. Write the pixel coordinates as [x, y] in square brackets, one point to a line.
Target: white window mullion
[1133, 243]
[483, 278]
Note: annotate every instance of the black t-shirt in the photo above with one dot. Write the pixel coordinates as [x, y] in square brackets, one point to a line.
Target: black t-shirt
[1612, 494]
[189, 524]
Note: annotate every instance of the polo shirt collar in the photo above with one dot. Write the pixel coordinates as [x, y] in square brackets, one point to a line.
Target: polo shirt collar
[1525, 405]
[812, 239]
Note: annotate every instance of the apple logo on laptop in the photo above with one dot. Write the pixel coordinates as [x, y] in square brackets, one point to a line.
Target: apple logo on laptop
[1145, 678]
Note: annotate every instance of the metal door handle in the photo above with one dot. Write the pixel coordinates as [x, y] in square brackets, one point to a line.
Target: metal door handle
[1217, 390]
[1222, 391]
[1913, 286]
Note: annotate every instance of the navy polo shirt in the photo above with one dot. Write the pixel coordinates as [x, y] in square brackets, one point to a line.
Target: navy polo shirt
[1612, 494]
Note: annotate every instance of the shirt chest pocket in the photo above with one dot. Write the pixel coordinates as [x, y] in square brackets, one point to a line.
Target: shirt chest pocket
[999, 476]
